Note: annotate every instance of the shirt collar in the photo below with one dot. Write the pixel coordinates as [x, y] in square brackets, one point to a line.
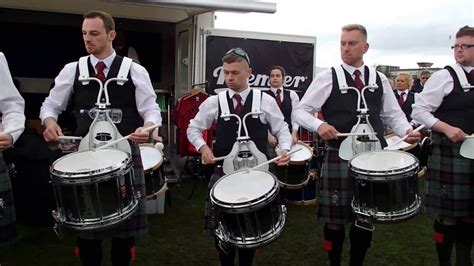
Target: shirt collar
[242, 94]
[467, 68]
[351, 69]
[274, 90]
[107, 61]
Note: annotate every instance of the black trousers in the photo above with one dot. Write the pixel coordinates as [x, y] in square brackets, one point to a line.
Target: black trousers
[227, 255]
[90, 251]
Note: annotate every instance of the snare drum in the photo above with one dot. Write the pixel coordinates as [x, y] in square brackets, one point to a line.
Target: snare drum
[385, 186]
[296, 174]
[154, 177]
[248, 209]
[94, 189]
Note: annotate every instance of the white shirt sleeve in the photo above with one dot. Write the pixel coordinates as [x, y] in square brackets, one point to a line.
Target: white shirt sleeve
[391, 113]
[429, 100]
[145, 95]
[295, 100]
[59, 95]
[316, 95]
[203, 120]
[12, 105]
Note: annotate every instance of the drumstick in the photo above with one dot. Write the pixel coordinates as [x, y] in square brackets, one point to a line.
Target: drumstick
[222, 158]
[123, 138]
[355, 134]
[404, 138]
[274, 159]
[469, 137]
[13, 130]
[70, 137]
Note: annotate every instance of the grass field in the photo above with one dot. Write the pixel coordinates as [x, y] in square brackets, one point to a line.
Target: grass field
[176, 238]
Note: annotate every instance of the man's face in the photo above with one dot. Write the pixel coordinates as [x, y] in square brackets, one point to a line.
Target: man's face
[96, 39]
[353, 47]
[424, 78]
[276, 78]
[402, 83]
[236, 75]
[465, 56]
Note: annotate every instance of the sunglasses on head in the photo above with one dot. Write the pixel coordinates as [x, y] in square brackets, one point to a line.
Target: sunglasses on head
[239, 52]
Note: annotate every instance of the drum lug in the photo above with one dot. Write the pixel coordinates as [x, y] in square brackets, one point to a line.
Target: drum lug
[2, 203]
[58, 229]
[364, 221]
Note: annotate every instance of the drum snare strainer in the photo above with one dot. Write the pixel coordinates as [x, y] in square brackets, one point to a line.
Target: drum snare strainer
[248, 208]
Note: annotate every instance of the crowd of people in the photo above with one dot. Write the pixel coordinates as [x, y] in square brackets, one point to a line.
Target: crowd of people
[440, 102]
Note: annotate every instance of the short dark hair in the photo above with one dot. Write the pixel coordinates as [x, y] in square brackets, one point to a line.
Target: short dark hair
[108, 20]
[424, 72]
[236, 55]
[282, 70]
[465, 31]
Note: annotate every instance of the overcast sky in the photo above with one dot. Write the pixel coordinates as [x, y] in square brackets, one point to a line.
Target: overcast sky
[400, 32]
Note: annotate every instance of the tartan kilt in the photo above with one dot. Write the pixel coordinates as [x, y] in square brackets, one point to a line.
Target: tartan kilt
[7, 215]
[210, 217]
[136, 224]
[450, 180]
[336, 190]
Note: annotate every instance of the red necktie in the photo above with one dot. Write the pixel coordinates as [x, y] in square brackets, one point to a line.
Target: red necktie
[278, 97]
[401, 101]
[357, 80]
[238, 106]
[100, 70]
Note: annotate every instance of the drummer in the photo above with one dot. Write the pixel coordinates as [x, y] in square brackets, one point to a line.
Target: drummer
[340, 115]
[236, 68]
[404, 96]
[287, 100]
[448, 110]
[12, 115]
[137, 100]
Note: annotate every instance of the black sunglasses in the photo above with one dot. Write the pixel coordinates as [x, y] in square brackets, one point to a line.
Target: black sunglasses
[462, 46]
[240, 52]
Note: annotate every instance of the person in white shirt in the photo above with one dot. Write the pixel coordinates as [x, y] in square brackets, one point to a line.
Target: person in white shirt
[339, 111]
[137, 100]
[447, 107]
[12, 107]
[236, 68]
[287, 100]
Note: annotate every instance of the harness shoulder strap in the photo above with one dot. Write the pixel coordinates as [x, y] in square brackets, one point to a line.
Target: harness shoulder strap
[462, 77]
[124, 69]
[223, 104]
[341, 78]
[83, 70]
[256, 102]
[372, 77]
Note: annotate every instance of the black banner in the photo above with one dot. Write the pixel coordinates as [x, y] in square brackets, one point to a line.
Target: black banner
[296, 58]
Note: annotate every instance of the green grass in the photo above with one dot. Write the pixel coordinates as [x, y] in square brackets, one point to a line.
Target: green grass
[176, 238]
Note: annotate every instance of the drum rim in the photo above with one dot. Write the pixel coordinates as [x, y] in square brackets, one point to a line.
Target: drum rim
[384, 174]
[241, 206]
[87, 175]
[393, 216]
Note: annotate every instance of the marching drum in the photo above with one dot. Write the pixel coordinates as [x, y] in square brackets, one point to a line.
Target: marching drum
[248, 208]
[154, 177]
[94, 189]
[296, 174]
[385, 186]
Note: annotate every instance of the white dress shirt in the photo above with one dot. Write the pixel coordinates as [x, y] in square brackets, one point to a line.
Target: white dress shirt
[208, 112]
[145, 96]
[439, 85]
[294, 102]
[405, 94]
[319, 90]
[12, 105]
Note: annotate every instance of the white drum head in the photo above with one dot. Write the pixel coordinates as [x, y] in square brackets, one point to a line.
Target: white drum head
[303, 155]
[382, 160]
[87, 161]
[243, 186]
[394, 138]
[151, 157]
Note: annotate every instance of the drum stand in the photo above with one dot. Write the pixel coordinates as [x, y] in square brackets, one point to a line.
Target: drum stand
[244, 153]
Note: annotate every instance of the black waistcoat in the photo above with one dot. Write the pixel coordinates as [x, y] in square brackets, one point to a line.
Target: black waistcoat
[406, 107]
[457, 108]
[121, 97]
[226, 131]
[285, 106]
[339, 110]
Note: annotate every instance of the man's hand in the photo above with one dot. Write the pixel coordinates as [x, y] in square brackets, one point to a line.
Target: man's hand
[207, 157]
[52, 130]
[272, 140]
[455, 134]
[413, 137]
[284, 159]
[327, 132]
[6, 141]
[140, 136]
